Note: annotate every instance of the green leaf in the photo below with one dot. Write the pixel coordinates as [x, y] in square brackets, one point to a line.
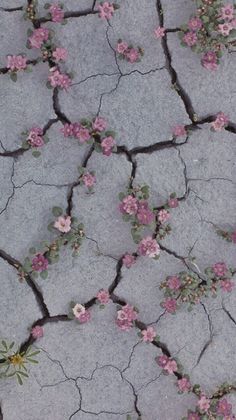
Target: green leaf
[110, 133]
[57, 211]
[32, 361]
[121, 196]
[13, 76]
[25, 145]
[44, 274]
[4, 344]
[33, 353]
[32, 250]
[46, 6]
[36, 153]
[11, 345]
[19, 379]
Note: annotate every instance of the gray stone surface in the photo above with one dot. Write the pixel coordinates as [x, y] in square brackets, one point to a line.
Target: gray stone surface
[95, 370]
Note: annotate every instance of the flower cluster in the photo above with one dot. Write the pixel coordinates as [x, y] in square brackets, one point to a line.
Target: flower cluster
[106, 10]
[210, 31]
[220, 122]
[56, 13]
[103, 297]
[168, 364]
[128, 52]
[211, 408]
[189, 288]
[13, 363]
[229, 236]
[159, 32]
[87, 178]
[71, 233]
[58, 79]
[16, 63]
[79, 313]
[126, 317]
[92, 132]
[34, 139]
[38, 37]
[148, 335]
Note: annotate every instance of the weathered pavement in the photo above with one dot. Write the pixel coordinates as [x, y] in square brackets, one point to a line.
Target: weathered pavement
[95, 370]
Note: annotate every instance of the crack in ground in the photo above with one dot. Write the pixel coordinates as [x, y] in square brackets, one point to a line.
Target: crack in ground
[228, 314]
[209, 341]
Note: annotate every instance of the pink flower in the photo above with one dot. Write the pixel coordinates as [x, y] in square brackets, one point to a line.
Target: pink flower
[173, 203]
[129, 205]
[65, 81]
[107, 145]
[148, 247]
[209, 60]
[224, 408]
[84, 317]
[34, 137]
[184, 385]
[190, 38]
[171, 367]
[233, 237]
[56, 13]
[38, 37]
[179, 130]
[88, 180]
[99, 124]
[194, 24]
[82, 134]
[225, 28]
[78, 310]
[125, 317]
[37, 332]
[39, 263]
[174, 282]
[132, 55]
[106, 10]
[193, 416]
[163, 216]
[219, 269]
[148, 335]
[226, 285]
[67, 130]
[58, 79]
[227, 12]
[121, 47]
[145, 216]
[128, 260]
[63, 224]
[103, 296]
[159, 32]
[16, 62]
[170, 305]
[60, 54]
[204, 403]
[220, 122]
[162, 360]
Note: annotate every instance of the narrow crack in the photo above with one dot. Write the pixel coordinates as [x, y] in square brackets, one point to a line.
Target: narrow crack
[69, 14]
[209, 341]
[228, 314]
[57, 109]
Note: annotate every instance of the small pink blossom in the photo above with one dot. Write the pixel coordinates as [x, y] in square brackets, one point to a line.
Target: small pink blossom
[78, 310]
[179, 131]
[204, 403]
[194, 24]
[37, 332]
[60, 54]
[163, 216]
[84, 317]
[225, 28]
[193, 416]
[227, 12]
[233, 237]
[89, 180]
[224, 408]
[159, 32]
[103, 296]
[107, 145]
[129, 205]
[145, 216]
[38, 37]
[128, 260]
[174, 282]
[190, 38]
[226, 285]
[56, 13]
[58, 79]
[132, 55]
[220, 122]
[122, 47]
[82, 134]
[173, 203]
[148, 247]
[170, 305]
[209, 60]
[184, 384]
[16, 62]
[171, 367]
[99, 124]
[162, 360]
[149, 334]
[63, 224]
[39, 263]
[67, 130]
[106, 10]
[219, 269]
[125, 317]
[35, 137]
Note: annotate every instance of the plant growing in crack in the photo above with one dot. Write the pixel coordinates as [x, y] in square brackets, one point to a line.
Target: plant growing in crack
[34, 139]
[93, 132]
[72, 233]
[79, 313]
[188, 288]
[16, 64]
[227, 235]
[128, 52]
[220, 122]
[13, 362]
[107, 9]
[55, 12]
[210, 31]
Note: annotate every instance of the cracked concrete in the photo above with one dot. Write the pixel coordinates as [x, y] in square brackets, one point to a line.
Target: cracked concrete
[95, 370]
